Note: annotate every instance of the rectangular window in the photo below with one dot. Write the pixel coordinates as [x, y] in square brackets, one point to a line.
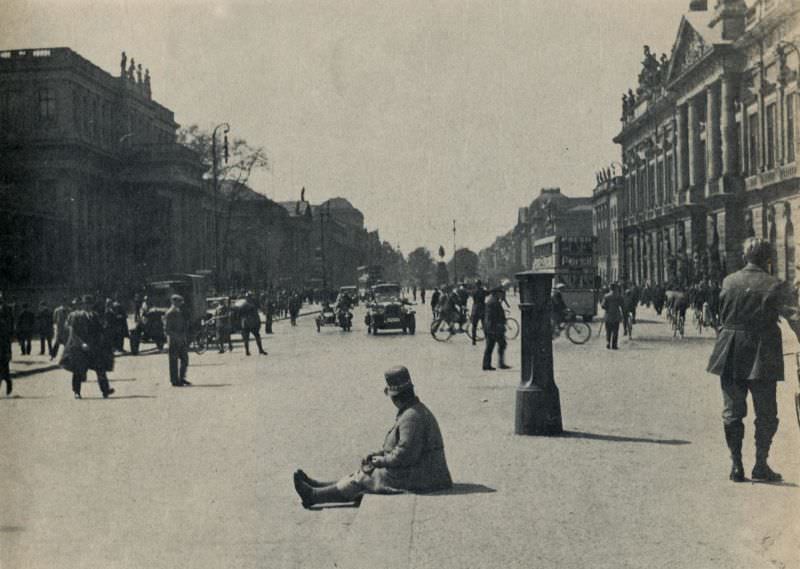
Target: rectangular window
[668, 165]
[47, 105]
[790, 128]
[752, 144]
[771, 135]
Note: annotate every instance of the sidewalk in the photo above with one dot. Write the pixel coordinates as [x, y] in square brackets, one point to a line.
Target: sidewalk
[638, 480]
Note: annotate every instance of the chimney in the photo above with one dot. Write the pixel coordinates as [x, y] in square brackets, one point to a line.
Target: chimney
[731, 15]
[698, 5]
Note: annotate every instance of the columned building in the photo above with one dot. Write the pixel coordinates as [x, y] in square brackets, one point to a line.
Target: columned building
[95, 193]
[708, 144]
[606, 224]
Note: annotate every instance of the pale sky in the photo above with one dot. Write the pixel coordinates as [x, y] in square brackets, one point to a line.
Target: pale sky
[417, 112]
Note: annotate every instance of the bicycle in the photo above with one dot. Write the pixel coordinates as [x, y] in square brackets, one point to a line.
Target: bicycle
[512, 326]
[443, 329]
[577, 332]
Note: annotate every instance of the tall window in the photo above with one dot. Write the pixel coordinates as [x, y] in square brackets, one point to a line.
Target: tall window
[771, 135]
[790, 128]
[752, 144]
[47, 105]
[668, 165]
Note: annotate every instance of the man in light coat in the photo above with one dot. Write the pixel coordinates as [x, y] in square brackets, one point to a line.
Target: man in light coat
[176, 329]
[412, 458]
[748, 354]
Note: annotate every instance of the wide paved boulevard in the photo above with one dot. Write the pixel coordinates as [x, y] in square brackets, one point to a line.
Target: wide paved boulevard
[161, 477]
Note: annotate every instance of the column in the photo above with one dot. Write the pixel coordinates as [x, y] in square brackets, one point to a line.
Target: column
[695, 156]
[713, 132]
[728, 127]
[682, 149]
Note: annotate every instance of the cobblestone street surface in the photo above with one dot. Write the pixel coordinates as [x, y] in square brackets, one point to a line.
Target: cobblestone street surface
[200, 477]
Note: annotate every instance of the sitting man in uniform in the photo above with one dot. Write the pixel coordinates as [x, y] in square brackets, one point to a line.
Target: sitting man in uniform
[412, 458]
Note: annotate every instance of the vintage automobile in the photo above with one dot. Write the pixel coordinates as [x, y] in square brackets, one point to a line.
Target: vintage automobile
[326, 317]
[351, 291]
[159, 291]
[387, 309]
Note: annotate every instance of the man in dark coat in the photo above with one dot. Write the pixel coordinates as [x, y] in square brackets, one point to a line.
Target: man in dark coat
[748, 354]
[412, 458]
[87, 348]
[478, 308]
[6, 336]
[612, 304]
[250, 321]
[494, 326]
[176, 329]
[26, 323]
[44, 328]
[60, 315]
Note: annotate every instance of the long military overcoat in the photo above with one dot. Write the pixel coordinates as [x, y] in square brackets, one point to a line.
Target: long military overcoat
[749, 344]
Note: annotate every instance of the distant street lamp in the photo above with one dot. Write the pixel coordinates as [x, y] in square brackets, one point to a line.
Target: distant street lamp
[215, 173]
[455, 261]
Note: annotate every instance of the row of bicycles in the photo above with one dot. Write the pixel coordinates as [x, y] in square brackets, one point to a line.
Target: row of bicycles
[442, 329]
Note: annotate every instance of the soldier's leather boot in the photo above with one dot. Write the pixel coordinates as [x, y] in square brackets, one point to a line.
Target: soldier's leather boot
[733, 436]
[761, 470]
[311, 481]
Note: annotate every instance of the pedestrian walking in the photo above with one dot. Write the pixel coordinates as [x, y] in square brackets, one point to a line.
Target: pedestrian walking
[435, 302]
[748, 354]
[422, 294]
[612, 305]
[250, 322]
[6, 337]
[87, 348]
[26, 324]
[478, 310]
[412, 458]
[176, 329]
[494, 326]
[44, 328]
[60, 315]
[222, 326]
[269, 314]
[295, 302]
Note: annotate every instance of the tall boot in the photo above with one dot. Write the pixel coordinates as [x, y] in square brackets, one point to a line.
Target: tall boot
[733, 436]
[761, 470]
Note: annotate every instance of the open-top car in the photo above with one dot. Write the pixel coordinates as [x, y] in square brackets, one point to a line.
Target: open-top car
[387, 309]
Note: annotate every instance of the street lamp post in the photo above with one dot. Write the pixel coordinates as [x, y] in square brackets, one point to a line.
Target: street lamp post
[538, 405]
[215, 173]
[455, 261]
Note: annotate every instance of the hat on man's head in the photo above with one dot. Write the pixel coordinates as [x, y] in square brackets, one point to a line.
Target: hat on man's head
[397, 380]
[87, 299]
[176, 298]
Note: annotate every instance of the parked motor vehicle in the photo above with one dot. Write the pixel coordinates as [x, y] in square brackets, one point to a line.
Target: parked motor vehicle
[350, 291]
[388, 309]
[149, 328]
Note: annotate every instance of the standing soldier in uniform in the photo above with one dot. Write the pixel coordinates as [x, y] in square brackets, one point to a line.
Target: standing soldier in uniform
[6, 334]
[613, 306]
[175, 326]
[26, 322]
[748, 354]
[494, 326]
[250, 324]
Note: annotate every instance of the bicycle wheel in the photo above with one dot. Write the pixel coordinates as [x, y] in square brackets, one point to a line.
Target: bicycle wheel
[578, 332]
[512, 328]
[441, 330]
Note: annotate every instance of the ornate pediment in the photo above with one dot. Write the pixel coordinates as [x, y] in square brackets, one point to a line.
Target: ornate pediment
[690, 47]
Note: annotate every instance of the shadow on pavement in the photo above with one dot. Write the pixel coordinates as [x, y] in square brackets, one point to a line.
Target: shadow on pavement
[27, 372]
[622, 439]
[16, 397]
[116, 397]
[210, 385]
[206, 365]
[462, 488]
[122, 379]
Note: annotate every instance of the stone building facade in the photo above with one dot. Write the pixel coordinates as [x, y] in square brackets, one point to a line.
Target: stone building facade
[709, 145]
[94, 190]
[606, 225]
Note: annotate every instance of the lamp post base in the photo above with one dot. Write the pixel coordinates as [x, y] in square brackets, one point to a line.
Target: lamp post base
[538, 411]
